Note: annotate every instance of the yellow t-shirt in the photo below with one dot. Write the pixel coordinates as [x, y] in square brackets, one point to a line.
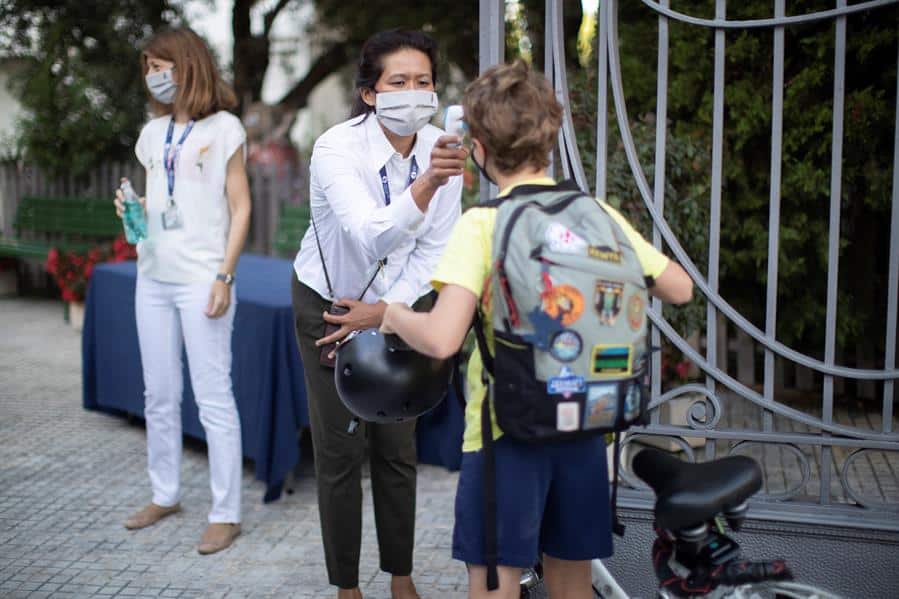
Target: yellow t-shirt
[466, 263]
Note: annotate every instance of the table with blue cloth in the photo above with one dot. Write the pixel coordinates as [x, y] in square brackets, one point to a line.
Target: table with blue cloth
[266, 372]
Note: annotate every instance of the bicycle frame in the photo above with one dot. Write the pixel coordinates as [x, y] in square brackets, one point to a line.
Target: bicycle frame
[604, 584]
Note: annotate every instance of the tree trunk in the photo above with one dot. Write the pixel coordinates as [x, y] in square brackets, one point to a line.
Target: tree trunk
[250, 58]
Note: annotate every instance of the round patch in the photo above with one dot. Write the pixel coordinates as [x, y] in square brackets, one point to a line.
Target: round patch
[565, 302]
[566, 346]
[635, 308]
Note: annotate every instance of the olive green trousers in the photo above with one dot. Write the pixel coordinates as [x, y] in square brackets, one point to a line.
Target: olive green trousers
[339, 457]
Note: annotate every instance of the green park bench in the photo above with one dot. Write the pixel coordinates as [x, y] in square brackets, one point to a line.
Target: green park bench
[292, 226]
[69, 224]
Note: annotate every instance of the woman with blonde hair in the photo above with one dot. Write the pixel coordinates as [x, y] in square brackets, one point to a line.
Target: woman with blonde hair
[197, 210]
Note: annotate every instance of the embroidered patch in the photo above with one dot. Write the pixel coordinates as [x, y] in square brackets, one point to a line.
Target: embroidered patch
[601, 406]
[566, 384]
[566, 346]
[635, 309]
[567, 416]
[632, 401]
[545, 329]
[612, 360]
[607, 300]
[604, 253]
[563, 302]
[560, 238]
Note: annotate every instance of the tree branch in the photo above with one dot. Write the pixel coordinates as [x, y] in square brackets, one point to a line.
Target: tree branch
[272, 14]
[329, 61]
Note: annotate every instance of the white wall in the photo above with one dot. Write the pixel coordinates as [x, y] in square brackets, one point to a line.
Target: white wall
[293, 50]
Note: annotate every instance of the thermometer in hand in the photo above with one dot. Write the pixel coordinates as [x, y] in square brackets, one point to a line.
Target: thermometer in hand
[454, 124]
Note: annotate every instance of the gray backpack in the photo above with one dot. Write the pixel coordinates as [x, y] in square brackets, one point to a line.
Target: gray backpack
[568, 313]
[568, 316]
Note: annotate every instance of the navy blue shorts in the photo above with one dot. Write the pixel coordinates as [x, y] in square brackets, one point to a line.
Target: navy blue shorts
[552, 498]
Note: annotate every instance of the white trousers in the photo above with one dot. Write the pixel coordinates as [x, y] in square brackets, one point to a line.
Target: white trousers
[171, 317]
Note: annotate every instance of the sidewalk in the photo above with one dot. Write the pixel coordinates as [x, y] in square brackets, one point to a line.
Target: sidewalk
[69, 478]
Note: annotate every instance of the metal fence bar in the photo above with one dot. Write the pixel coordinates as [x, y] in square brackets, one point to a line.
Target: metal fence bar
[892, 278]
[491, 48]
[602, 100]
[715, 207]
[774, 208]
[833, 244]
[659, 188]
[548, 68]
[568, 141]
[553, 23]
[722, 23]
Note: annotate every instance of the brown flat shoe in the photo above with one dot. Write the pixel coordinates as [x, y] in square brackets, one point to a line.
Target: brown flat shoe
[150, 514]
[218, 536]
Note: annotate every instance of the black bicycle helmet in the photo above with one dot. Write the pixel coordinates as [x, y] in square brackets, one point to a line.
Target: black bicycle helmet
[380, 379]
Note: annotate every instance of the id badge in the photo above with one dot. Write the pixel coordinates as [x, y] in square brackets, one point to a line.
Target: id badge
[171, 218]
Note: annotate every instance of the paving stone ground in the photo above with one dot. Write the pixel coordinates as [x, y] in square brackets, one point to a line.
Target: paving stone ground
[69, 478]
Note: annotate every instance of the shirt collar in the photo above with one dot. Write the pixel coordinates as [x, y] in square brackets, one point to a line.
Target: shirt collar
[381, 150]
[535, 185]
[541, 181]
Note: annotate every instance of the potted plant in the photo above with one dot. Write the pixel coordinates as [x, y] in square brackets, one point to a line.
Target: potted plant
[72, 272]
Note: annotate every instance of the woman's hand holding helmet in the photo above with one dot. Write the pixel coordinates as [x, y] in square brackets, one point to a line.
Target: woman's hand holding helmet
[361, 316]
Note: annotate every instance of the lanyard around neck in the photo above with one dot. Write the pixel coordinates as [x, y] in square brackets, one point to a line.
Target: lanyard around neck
[413, 173]
[169, 161]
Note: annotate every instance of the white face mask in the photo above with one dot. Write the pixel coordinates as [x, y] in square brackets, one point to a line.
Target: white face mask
[405, 112]
[162, 86]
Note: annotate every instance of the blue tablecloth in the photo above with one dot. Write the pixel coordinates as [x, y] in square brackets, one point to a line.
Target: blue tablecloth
[267, 374]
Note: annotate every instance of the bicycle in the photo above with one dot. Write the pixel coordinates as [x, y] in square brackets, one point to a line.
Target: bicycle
[692, 555]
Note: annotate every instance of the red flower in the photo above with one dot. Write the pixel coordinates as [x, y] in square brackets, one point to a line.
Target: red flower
[72, 270]
[52, 260]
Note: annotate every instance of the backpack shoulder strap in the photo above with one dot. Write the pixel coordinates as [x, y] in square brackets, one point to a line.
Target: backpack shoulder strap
[486, 357]
[491, 553]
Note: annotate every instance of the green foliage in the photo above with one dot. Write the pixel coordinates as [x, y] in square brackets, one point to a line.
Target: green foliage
[454, 25]
[805, 189]
[686, 182]
[806, 167]
[81, 87]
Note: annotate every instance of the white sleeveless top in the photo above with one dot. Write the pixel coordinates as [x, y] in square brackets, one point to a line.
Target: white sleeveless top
[195, 252]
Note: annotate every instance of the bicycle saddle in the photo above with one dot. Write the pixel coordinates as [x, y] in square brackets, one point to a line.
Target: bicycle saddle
[689, 494]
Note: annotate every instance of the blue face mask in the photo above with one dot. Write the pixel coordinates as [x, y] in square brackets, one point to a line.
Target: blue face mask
[162, 86]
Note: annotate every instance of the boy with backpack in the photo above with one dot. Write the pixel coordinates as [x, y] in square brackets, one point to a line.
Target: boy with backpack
[557, 284]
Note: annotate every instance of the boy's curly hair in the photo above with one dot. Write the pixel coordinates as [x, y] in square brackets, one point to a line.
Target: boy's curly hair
[513, 111]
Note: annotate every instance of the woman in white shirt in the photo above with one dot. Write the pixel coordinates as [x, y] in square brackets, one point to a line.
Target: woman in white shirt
[197, 212]
[384, 192]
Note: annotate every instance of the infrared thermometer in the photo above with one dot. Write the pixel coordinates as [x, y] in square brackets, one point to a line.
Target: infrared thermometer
[454, 123]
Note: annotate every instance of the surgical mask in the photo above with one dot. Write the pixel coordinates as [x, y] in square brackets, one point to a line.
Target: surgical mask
[405, 112]
[162, 86]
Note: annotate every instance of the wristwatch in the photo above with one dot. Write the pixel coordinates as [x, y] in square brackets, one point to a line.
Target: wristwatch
[226, 277]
